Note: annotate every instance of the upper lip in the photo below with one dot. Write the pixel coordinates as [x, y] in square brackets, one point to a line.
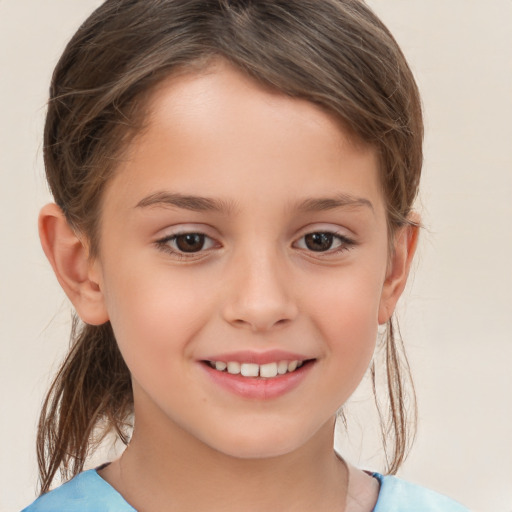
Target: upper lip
[255, 357]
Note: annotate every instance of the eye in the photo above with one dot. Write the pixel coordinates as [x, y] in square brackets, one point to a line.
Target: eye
[186, 243]
[324, 242]
[190, 242]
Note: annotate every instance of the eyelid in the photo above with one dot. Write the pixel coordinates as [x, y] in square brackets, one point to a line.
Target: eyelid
[185, 228]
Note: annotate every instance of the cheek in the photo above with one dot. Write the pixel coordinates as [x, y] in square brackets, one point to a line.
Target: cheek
[155, 313]
[346, 315]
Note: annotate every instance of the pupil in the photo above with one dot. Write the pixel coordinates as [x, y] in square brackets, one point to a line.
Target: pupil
[191, 242]
[319, 241]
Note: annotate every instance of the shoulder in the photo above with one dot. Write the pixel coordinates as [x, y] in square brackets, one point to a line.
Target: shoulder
[397, 495]
[87, 492]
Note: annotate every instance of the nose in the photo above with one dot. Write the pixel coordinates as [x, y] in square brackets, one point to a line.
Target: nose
[260, 296]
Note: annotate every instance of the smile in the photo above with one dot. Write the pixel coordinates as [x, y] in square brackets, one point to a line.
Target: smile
[258, 376]
[267, 371]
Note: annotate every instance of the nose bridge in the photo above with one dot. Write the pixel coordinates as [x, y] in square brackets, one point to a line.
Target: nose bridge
[261, 295]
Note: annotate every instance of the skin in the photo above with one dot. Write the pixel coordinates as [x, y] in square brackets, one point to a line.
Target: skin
[265, 160]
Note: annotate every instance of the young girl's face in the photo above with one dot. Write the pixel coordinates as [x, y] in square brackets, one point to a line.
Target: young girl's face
[246, 229]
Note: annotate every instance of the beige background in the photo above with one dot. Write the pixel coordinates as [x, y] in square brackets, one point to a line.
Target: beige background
[455, 317]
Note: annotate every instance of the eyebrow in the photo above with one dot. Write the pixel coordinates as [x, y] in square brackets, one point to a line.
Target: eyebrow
[187, 202]
[202, 204]
[338, 201]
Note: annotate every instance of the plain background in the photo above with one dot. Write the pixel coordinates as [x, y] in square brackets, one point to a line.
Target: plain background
[456, 314]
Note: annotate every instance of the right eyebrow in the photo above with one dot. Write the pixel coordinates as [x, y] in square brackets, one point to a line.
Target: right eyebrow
[187, 202]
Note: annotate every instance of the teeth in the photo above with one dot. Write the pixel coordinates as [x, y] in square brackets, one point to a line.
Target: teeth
[234, 368]
[250, 370]
[282, 367]
[267, 371]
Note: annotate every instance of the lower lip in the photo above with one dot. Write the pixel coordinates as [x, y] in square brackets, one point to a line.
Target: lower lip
[258, 388]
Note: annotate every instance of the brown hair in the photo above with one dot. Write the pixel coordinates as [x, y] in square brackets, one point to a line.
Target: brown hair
[334, 53]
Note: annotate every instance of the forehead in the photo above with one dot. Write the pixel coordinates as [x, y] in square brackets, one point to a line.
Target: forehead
[219, 132]
[219, 89]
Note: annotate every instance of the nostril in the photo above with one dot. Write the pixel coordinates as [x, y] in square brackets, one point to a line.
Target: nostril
[260, 325]
[259, 312]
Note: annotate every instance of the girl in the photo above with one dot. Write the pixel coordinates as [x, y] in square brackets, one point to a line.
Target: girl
[234, 182]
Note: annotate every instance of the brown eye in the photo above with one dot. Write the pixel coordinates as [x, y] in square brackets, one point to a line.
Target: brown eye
[190, 242]
[319, 242]
[183, 245]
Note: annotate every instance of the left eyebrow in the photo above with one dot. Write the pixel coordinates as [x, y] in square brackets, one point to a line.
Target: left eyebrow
[338, 201]
[186, 202]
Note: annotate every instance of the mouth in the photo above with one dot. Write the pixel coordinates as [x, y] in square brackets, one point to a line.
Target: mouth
[270, 370]
[258, 376]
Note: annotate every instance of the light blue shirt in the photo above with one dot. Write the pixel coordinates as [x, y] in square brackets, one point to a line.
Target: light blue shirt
[88, 492]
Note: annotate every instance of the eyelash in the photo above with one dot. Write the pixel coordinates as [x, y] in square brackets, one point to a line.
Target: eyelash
[164, 244]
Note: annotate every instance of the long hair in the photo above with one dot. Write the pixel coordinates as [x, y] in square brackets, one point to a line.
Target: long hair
[334, 53]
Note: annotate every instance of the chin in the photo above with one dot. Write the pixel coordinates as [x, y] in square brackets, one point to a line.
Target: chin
[260, 443]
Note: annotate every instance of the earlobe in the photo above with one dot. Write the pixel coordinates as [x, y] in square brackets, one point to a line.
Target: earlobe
[70, 261]
[405, 243]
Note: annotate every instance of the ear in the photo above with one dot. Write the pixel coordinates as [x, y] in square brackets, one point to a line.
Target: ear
[69, 257]
[404, 247]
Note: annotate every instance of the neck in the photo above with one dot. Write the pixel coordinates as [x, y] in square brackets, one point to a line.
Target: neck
[171, 471]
